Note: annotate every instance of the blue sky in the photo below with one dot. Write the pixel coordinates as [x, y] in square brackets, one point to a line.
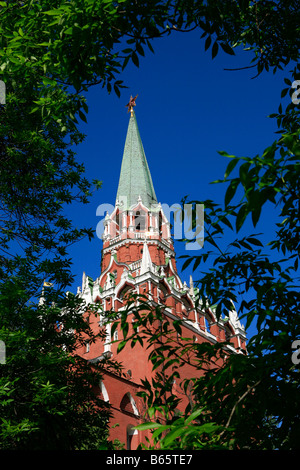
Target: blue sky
[188, 108]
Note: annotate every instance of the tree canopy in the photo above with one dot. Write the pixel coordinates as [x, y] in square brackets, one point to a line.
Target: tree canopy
[50, 53]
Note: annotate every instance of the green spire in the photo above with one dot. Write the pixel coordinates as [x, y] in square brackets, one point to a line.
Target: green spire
[135, 178]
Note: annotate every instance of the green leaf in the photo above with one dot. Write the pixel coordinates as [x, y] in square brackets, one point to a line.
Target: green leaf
[49, 81]
[193, 416]
[231, 190]
[54, 12]
[145, 426]
[135, 59]
[176, 324]
[226, 48]
[187, 263]
[243, 171]
[114, 326]
[139, 49]
[230, 167]
[150, 46]
[117, 91]
[197, 262]
[255, 215]
[121, 345]
[126, 60]
[82, 116]
[171, 436]
[255, 241]
[214, 50]
[241, 216]
[207, 43]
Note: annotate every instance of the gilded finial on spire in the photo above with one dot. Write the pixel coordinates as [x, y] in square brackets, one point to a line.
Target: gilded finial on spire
[131, 104]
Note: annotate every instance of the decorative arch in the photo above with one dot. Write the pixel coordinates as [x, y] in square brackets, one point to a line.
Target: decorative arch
[124, 289]
[228, 332]
[113, 264]
[115, 222]
[117, 219]
[128, 404]
[209, 320]
[162, 221]
[104, 391]
[187, 305]
[130, 432]
[164, 290]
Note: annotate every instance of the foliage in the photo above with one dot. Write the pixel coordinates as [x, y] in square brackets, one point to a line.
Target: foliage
[262, 277]
[48, 398]
[182, 433]
[48, 394]
[51, 53]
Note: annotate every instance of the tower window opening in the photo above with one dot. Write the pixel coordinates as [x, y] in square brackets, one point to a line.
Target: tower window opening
[227, 334]
[160, 223]
[207, 325]
[140, 220]
[118, 220]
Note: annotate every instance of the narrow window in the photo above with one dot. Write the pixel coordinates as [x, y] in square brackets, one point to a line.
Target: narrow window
[140, 220]
[227, 334]
[207, 325]
[160, 223]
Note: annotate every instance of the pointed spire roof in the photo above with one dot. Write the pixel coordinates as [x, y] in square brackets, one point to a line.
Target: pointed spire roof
[146, 264]
[135, 179]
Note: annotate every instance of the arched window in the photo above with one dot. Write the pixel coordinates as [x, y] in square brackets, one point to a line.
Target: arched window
[128, 404]
[140, 220]
[107, 343]
[125, 292]
[186, 307]
[130, 432]
[119, 219]
[228, 333]
[163, 293]
[207, 324]
[160, 223]
[104, 391]
[209, 321]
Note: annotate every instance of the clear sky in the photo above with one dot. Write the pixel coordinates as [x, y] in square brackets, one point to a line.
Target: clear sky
[188, 108]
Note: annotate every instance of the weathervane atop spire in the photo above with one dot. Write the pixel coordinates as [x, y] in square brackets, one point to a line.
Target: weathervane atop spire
[131, 104]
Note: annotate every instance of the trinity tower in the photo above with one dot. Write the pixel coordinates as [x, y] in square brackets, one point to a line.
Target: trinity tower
[138, 256]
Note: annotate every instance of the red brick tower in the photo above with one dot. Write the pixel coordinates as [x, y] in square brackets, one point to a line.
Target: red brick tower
[138, 256]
